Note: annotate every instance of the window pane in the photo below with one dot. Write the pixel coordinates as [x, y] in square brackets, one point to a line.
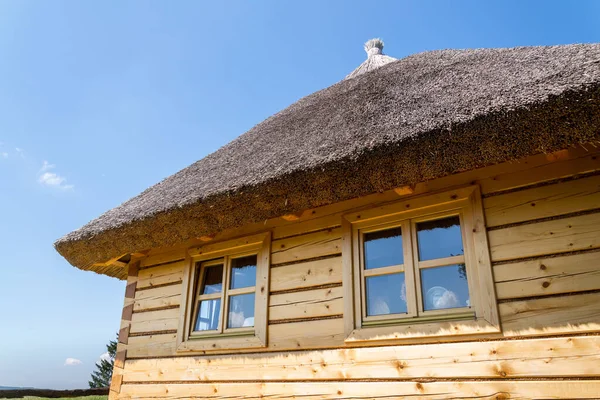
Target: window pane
[241, 311]
[383, 248]
[385, 294]
[213, 279]
[243, 272]
[445, 287]
[439, 238]
[208, 315]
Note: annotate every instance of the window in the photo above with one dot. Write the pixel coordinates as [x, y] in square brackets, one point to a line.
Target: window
[420, 267]
[226, 293]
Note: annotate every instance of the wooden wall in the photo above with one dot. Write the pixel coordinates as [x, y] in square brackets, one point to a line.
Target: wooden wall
[543, 219]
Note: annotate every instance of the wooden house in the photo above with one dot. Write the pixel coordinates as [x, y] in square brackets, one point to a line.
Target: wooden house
[428, 228]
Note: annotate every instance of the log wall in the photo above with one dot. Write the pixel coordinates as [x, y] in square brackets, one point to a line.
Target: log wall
[543, 221]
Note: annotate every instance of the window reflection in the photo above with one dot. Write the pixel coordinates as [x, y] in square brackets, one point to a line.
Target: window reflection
[386, 294]
[241, 311]
[444, 287]
[243, 272]
[213, 279]
[208, 315]
[383, 248]
[439, 238]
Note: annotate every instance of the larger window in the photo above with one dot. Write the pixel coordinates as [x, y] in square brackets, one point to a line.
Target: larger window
[225, 295]
[419, 268]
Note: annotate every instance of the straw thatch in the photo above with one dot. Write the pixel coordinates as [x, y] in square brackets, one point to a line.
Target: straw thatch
[375, 58]
[415, 119]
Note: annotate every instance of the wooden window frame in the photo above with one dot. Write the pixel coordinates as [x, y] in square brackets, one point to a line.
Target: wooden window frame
[225, 338]
[480, 318]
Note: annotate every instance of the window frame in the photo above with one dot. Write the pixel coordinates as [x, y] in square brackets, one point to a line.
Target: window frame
[224, 338]
[480, 317]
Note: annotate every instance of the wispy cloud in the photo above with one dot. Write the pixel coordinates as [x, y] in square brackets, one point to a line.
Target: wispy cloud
[4, 154]
[69, 362]
[52, 179]
[104, 356]
[20, 152]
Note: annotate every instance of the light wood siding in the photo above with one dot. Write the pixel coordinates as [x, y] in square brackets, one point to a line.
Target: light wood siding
[543, 220]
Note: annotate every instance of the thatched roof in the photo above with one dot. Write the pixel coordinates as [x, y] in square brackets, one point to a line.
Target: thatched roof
[375, 58]
[415, 119]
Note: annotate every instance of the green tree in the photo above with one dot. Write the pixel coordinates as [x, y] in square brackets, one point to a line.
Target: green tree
[104, 369]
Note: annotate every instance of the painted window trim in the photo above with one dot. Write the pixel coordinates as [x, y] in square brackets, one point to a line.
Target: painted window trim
[467, 202]
[256, 338]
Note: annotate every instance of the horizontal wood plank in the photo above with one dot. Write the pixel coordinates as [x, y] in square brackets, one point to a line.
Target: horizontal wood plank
[165, 296]
[551, 357]
[154, 321]
[548, 237]
[152, 346]
[307, 304]
[312, 245]
[542, 202]
[547, 276]
[161, 275]
[312, 273]
[553, 315]
[477, 390]
[162, 257]
[539, 170]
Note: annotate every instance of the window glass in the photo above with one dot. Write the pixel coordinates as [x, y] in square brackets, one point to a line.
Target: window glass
[439, 238]
[383, 248]
[213, 279]
[445, 287]
[241, 311]
[385, 294]
[208, 315]
[243, 272]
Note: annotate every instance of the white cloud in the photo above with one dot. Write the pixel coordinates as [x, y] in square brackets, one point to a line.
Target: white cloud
[69, 362]
[104, 356]
[448, 299]
[4, 154]
[52, 179]
[46, 166]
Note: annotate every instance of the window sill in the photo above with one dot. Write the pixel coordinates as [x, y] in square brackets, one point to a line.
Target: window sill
[216, 343]
[421, 330]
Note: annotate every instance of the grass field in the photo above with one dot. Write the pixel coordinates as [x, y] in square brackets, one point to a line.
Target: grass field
[65, 398]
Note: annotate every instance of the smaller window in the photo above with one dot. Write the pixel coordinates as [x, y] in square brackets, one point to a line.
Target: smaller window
[227, 306]
[412, 269]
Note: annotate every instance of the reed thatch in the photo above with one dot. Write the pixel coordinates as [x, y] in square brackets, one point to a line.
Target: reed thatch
[375, 58]
[415, 119]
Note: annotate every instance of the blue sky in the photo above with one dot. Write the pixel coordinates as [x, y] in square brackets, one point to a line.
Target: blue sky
[101, 99]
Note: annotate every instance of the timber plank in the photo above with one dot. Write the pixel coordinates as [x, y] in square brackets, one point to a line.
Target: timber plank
[166, 296]
[541, 202]
[152, 346]
[475, 390]
[554, 236]
[161, 275]
[312, 245]
[546, 276]
[552, 315]
[539, 171]
[169, 256]
[549, 357]
[311, 273]
[306, 304]
[153, 321]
